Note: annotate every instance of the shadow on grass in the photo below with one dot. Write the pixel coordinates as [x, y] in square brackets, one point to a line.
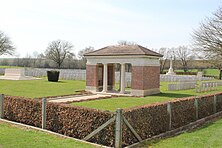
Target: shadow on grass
[173, 95]
[56, 82]
[61, 81]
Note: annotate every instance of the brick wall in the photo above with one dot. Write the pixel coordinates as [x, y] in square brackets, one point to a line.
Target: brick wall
[145, 77]
[91, 75]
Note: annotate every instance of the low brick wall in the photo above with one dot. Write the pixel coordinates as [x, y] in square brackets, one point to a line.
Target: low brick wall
[72, 121]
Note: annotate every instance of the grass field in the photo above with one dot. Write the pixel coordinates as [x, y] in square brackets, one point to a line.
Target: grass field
[43, 88]
[40, 88]
[214, 72]
[16, 136]
[126, 102]
[10, 66]
[206, 137]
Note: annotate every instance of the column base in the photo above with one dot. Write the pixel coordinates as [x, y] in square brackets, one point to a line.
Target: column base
[104, 91]
[92, 89]
[122, 92]
[143, 93]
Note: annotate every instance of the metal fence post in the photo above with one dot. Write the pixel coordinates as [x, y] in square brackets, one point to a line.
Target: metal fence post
[1, 106]
[215, 103]
[118, 130]
[169, 112]
[196, 108]
[44, 113]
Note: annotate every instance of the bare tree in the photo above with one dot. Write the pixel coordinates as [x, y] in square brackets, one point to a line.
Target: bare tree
[84, 51]
[58, 51]
[208, 39]
[71, 61]
[183, 53]
[82, 61]
[124, 42]
[6, 46]
[165, 52]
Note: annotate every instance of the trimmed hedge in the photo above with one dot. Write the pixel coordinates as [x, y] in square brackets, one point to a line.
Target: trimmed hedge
[183, 112]
[219, 102]
[186, 73]
[205, 106]
[72, 121]
[22, 110]
[148, 120]
[151, 120]
[78, 122]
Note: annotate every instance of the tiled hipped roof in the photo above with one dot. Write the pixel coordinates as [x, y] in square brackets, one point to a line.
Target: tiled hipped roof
[123, 50]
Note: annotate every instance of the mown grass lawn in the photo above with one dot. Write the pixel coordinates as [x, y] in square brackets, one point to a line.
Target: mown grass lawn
[40, 88]
[126, 102]
[214, 72]
[9, 66]
[43, 88]
[15, 136]
[206, 137]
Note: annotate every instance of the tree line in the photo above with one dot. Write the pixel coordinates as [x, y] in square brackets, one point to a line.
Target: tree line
[206, 45]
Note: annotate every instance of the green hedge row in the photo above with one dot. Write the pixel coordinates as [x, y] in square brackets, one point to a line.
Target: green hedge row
[151, 120]
[72, 121]
[78, 122]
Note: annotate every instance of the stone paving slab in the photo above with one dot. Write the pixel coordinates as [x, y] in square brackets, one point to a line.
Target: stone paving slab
[80, 98]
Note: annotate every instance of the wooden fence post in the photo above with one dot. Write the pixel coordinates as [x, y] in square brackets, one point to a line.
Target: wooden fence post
[196, 108]
[169, 114]
[44, 113]
[118, 130]
[215, 103]
[99, 128]
[1, 106]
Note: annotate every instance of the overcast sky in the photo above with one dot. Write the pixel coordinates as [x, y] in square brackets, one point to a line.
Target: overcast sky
[32, 24]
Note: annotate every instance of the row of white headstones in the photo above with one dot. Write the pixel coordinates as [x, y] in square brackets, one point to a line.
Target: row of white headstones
[202, 87]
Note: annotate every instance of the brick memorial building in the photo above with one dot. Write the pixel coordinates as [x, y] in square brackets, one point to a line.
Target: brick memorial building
[100, 69]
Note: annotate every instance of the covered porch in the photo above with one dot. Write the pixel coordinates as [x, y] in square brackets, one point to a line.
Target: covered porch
[145, 72]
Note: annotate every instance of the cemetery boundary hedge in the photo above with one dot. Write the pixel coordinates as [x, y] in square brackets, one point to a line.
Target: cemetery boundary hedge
[71, 121]
[154, 119]
[147, 121]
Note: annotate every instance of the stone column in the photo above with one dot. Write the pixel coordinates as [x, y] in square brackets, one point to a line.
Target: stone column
[105, 79]
[122, 88]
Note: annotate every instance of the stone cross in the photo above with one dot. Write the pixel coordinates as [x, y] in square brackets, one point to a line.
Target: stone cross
[170, 71]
